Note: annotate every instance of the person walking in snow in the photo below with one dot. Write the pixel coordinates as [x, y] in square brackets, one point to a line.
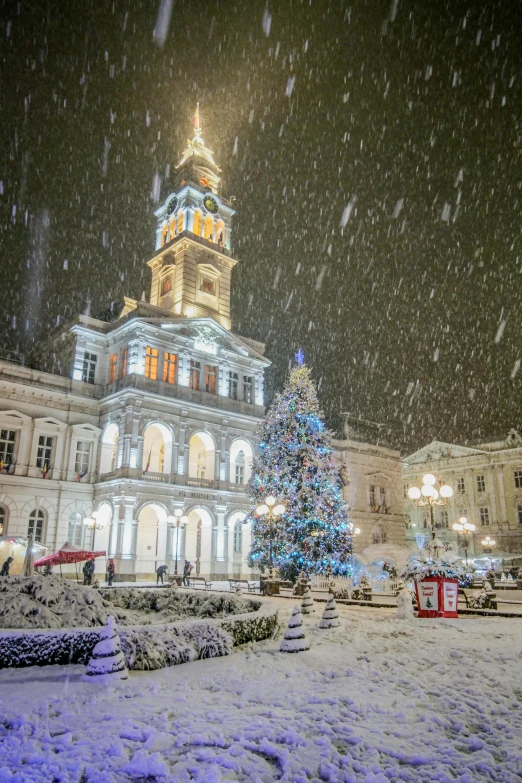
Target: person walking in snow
[160, 571]
[110, 572]
[5, 567]
[88, 571]
[186, 573]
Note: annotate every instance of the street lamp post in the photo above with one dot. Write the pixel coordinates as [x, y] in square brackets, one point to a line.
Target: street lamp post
[488, 543]
[467, 529]
[94, 523]
[429, 495]
[270, 510]
[178, 521]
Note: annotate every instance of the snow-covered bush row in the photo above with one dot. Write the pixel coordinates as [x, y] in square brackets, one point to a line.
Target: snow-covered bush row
[52, 602]
[145, 647]
[40, 648]
[167, 606]
[49, 602]
[251, 627]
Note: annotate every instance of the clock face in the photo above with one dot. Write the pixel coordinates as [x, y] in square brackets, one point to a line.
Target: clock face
[171, 206]
[210, 204]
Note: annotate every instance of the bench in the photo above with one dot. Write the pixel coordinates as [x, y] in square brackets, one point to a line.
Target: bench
[473, 602]
[199, 581]
[246, 584]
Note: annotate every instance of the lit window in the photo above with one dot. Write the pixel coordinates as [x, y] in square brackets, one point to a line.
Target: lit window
[248, 388]
[198, 223]
[201, 468]
[461, 485]
[113, 367]
[180, 222]
[195, 371]
[210, 378]
[209, 227]
[44, 452]
[170, 366]
[36, 525]
[481, 484]
[517, 476]
[166, 285]
[7, 444]
[208, 286]
[89, 367]
[123, 363]
[83, 453]
[151, 362]
[484, 515]
[74, 534]
[233, 383]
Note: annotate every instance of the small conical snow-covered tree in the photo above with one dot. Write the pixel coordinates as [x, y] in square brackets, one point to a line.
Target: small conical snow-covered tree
[330, 618]
[107, 661]
[307, 603]
[295, 639]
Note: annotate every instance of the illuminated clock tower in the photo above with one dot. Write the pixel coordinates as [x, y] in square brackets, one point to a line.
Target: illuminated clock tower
[192, 263]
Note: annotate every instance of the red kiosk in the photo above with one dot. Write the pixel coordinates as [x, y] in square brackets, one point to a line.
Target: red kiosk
[437, 596]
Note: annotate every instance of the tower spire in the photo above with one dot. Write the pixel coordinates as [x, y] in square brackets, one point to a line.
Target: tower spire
[197, 126]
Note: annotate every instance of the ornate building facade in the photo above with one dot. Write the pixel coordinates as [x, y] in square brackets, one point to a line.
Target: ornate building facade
[373, 492]
[487, 486]
[152, 413]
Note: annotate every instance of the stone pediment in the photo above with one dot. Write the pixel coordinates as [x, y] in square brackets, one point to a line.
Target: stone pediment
[437, 450]
[378, 476]
[212, 338]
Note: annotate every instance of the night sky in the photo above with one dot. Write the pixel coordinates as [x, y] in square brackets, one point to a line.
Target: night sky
[373, 147]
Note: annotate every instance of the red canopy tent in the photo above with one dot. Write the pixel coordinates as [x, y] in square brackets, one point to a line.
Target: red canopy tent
[68, 554]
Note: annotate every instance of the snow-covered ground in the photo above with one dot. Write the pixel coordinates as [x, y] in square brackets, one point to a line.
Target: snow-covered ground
[377, 700]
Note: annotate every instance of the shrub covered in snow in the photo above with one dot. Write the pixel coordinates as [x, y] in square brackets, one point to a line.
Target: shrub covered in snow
[107, 662]
[145, 647]
[167, 606]
[49, 602]
[295, 638]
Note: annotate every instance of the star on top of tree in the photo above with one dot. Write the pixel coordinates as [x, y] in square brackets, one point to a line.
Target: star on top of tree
[300, 357]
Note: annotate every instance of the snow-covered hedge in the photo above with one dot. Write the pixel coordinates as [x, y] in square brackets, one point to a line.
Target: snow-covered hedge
[145, 647]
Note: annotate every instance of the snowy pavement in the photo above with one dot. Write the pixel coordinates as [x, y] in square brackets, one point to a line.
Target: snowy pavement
[377, 700]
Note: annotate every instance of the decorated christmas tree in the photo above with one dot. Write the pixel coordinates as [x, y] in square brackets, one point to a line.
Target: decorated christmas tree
[307, 604]
[107, 662]
[295, 466]
[330, 618]
[294, 639]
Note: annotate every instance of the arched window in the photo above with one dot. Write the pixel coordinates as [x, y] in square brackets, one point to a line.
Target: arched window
[165, 234]
[220, 233]
[3, 521]
[172, 231]
[240, 468]
[74, 535]
[162, 458]
[198, 223]
[238, 537]
[198, 547]
[180, 222]
[209, 227]
[36, 525]
[202, 464]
